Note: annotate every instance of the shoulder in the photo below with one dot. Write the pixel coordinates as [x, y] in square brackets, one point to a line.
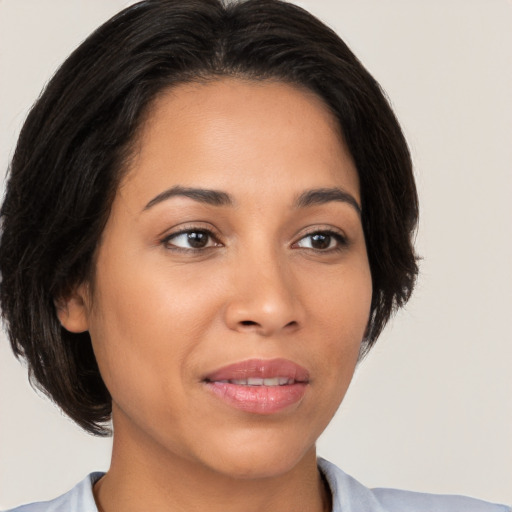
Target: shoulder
[349, 495]
[79, 499]
[405, 501]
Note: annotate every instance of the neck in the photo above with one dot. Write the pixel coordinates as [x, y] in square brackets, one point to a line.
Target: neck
[146, 477]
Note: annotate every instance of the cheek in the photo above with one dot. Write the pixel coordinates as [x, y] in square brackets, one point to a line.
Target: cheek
[342, 315]
[343, 297]
[149, 316]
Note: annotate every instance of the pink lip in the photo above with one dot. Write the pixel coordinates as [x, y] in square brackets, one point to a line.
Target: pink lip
[259, 399]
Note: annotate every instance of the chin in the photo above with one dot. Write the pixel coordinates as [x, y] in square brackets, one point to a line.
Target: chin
[268, 456]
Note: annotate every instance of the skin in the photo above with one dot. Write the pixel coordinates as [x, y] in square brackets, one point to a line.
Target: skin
[163, 315]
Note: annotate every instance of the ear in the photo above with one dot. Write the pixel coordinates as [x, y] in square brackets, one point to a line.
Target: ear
[72, 310]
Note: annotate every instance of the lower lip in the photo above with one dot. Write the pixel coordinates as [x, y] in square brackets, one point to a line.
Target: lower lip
[259, 399]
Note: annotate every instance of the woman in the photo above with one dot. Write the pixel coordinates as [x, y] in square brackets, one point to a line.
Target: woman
[225, 207]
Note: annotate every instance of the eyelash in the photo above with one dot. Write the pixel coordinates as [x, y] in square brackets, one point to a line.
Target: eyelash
[341, 240]
[166, 242]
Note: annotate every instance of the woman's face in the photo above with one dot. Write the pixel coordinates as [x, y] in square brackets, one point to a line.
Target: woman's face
[232, 287]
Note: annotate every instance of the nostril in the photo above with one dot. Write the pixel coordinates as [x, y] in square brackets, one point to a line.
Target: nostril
[248, 322]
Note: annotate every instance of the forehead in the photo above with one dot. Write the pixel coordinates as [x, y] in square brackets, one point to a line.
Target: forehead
[231, 133]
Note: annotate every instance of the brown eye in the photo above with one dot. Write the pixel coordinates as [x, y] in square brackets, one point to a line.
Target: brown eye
[197, 239]
[191, 239]
[322, 241]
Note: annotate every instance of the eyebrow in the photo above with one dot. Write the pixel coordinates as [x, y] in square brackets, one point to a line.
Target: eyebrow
[326, 195]
[308, 198]
[202, 195]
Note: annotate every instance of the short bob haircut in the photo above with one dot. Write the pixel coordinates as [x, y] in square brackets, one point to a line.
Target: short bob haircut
[73, 147]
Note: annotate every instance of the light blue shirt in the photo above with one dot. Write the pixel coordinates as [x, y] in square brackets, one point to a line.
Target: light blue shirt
[348, 495]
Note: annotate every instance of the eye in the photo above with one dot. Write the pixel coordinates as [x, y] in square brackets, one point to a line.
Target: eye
[190, 239]
[322, 241]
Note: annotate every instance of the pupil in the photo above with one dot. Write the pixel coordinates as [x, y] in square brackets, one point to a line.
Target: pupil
[197, 239]
[320, 241]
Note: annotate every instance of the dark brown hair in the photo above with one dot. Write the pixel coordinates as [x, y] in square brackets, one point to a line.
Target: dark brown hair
[71, 150]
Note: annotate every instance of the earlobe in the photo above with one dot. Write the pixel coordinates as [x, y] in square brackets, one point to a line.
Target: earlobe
[72, 312]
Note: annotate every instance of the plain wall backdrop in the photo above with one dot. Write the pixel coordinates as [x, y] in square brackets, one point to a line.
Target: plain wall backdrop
[430, 409]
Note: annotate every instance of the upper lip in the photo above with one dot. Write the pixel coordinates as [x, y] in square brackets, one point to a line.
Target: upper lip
[260, 368]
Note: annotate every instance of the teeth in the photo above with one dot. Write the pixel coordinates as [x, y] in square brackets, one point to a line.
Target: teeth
[239, 382]
[258, 381]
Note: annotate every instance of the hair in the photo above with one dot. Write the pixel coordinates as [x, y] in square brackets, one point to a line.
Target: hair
[73, 147]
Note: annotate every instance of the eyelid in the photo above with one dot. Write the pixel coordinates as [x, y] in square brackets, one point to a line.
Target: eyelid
[342, 238]
[213, 233]
[168, 235]
[321, 228]
[198, 225]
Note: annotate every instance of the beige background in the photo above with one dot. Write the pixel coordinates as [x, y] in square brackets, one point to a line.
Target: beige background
[431, 408]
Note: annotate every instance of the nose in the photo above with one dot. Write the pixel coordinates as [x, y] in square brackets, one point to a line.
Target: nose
[264, 298]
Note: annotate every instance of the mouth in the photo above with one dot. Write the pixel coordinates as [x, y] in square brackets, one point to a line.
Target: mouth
[259, 386]
[258, 381]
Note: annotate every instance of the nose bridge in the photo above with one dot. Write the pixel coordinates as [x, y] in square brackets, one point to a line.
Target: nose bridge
[263, 297]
